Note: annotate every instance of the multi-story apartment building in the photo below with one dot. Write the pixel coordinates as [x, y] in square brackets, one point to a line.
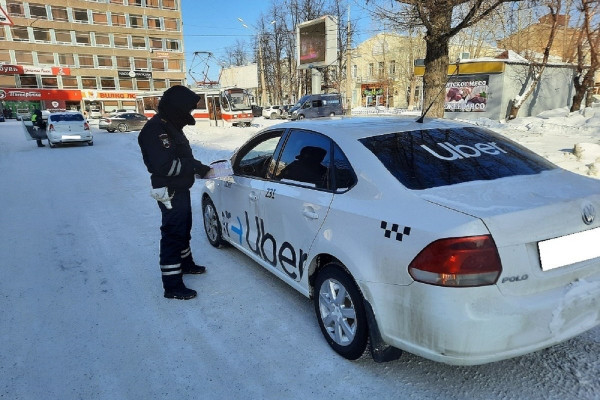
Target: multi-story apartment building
[90, 55]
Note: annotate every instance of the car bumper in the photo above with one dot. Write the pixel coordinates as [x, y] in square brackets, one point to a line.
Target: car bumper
[70, 138]
[469, 326]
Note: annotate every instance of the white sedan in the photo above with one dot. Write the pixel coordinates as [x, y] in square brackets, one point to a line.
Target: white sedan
[440, 238]
[68, 127]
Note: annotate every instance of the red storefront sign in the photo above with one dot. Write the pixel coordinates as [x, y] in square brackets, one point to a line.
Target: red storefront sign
[7, 69]
[39, 94]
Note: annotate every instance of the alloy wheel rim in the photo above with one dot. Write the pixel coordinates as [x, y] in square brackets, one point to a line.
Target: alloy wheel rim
[337, 312]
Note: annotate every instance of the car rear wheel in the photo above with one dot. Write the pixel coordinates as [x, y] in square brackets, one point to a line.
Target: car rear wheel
[340, 311]
[273, 116]
[110, 130]
[90, 143]
[300, 116]
[332, 114]
[122, 127]
[212, 226]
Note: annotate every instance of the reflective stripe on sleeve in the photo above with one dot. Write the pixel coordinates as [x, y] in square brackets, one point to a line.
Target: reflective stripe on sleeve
[175, 168]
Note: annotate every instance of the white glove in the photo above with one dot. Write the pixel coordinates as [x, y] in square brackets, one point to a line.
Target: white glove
[162, 195]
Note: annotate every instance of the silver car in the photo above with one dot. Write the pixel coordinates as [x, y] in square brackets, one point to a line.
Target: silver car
[123, 122]
[68, 127]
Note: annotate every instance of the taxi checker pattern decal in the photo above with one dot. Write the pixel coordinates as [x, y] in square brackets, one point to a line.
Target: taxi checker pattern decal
[394, 229]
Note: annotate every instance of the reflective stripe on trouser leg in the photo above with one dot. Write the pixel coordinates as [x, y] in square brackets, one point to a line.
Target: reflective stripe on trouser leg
[168, 270]
[186, 253]
[175, 228]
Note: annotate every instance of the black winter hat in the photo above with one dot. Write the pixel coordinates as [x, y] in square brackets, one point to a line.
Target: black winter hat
[176, 104]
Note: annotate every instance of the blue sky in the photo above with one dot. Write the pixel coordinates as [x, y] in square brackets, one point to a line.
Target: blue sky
[214, 27]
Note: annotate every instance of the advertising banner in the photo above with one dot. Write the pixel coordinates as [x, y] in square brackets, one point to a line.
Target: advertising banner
[7, 69]
[467, 94]
[98, 95]
[39, 94]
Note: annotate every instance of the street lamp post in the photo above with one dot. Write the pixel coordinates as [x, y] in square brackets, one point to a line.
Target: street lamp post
[263, 85]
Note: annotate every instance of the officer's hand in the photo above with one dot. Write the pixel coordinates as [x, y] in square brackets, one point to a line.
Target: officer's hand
[200, 169]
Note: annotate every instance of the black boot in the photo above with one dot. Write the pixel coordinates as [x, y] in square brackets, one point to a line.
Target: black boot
[175, 289]
[188, 266]
[39, 143]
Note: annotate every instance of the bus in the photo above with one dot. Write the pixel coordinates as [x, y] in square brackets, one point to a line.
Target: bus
[232, 106]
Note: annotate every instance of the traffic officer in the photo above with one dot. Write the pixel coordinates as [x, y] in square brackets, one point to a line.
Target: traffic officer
[169, 159]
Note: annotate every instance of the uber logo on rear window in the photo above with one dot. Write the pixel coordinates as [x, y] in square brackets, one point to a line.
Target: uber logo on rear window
[394, 229]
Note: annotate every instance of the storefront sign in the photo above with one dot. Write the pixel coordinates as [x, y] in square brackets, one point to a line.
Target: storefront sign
[135, 74]
[7, 69]
[39, 94]
[467, 94]
[97, 95]
[162, 54]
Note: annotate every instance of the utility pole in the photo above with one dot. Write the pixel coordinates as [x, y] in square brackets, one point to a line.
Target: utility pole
[348, 68]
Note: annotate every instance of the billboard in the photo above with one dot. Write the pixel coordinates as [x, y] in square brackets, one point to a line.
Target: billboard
[245, 76]
[316, 42]
[467, 94]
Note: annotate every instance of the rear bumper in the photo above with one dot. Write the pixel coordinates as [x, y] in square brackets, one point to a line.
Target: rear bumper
[64, 138]
[469, 326]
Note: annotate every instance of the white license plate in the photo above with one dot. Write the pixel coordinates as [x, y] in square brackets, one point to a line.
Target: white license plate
[71, 137]
[570, 249]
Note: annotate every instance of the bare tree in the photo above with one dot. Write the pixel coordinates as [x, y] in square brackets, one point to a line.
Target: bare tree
[588, 43]
[235, 55]
[442, 20]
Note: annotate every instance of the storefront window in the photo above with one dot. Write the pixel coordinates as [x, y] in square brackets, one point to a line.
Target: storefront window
[105, 62]
[108, 83]
[24, 57]
[38, 11]
[28, 81]
[59, 13]
[89, 82]
[102, 39]
[20, 34]
[45, 58]
[49, 82]
[69, 82]
[41, 35]
[62, 36]
[86, 61]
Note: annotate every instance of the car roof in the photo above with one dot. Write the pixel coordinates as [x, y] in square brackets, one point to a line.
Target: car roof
[341, 129]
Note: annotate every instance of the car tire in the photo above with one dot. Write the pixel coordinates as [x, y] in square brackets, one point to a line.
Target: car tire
[122, 127]
[332, 114]
[273, 116]
[90, 143]
[343, 321]
[300, 116]
[212, 225]
[110, 130]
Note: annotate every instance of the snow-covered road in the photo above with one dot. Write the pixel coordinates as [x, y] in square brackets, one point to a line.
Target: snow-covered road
[82, 314]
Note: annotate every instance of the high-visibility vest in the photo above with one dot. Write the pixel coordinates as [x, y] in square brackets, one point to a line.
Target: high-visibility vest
[34, 117]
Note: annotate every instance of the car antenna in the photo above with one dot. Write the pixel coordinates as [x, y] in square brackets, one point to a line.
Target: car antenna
[422, 117]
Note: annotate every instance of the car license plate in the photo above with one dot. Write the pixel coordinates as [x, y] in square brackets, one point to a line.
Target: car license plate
[71, 137]
[570, 249]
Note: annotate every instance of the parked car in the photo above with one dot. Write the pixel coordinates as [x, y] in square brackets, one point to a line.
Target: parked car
[68, 127]
[272, 112]
[23, 114]
[123, 122]
[317, 105]
[440, 238]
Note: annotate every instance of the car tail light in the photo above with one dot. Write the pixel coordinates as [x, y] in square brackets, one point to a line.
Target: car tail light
[458, 262]
[51, 127]
[86, 126]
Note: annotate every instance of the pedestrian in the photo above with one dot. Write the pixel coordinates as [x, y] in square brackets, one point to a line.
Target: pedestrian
[38, 120]
[169, 159]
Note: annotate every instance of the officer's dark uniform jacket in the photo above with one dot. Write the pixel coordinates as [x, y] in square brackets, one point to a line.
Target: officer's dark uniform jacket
[165, 149]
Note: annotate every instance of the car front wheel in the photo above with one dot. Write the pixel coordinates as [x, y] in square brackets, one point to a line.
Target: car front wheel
[212, 226]
[123, 127]
[300, 116]
[340, 311]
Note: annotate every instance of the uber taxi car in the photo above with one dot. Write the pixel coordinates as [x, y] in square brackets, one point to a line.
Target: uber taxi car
[68, 127]
[440, 238]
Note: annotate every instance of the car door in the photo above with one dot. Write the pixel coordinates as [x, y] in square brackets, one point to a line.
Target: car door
[139, 121]
[296, 202]
[243, 195]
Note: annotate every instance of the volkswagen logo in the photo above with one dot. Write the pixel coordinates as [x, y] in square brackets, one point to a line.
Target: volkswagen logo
[588, 214]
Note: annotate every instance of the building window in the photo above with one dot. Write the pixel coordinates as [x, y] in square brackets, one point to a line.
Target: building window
[59, 13]
[175, 82]
[2, 33]
[24, 57]
[66, 59]
[20, 34]
[381, 69]
[28, 81]
[160, 84]
[102, 39]
[105, 62]
[393, 68]
[143, 84]
[38, 11]
[69, 82]
[4, 56]
[118, 20]
[370, 69]
[121, 41]
[354, 70]
[63, 37]
[172, 44]
[169, 4]
[49, 82]
[125, 84]
[45, 58]
[140, 64]
[15, 8]
[135, 3]
[86, 61]
[152, 3]
[80, 15]
[41, 35]
[171, 24]
[117, 2]
[89, 82]
[108, 83]
[99, 18]
[136, 21]
[158, 64]
[138, 42]
[123, 63]
[154, 23]
[155, 43]
[174, 65]
[82, 38]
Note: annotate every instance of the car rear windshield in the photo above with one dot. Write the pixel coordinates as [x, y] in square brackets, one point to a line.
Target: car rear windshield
[66, 117]
[429, 158]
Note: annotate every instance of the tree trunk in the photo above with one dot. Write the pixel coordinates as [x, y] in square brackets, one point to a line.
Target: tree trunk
[435, 77]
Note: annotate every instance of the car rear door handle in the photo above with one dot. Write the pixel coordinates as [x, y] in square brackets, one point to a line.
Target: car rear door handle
[253, 196]
[310, 214]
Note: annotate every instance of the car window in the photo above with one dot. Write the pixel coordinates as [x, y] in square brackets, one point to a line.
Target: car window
[305, 160]
[66, 117]
[257, 157]
[343, 174]
[429, 158]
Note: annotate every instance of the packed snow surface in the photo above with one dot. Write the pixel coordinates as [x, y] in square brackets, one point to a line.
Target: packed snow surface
[82, 314]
